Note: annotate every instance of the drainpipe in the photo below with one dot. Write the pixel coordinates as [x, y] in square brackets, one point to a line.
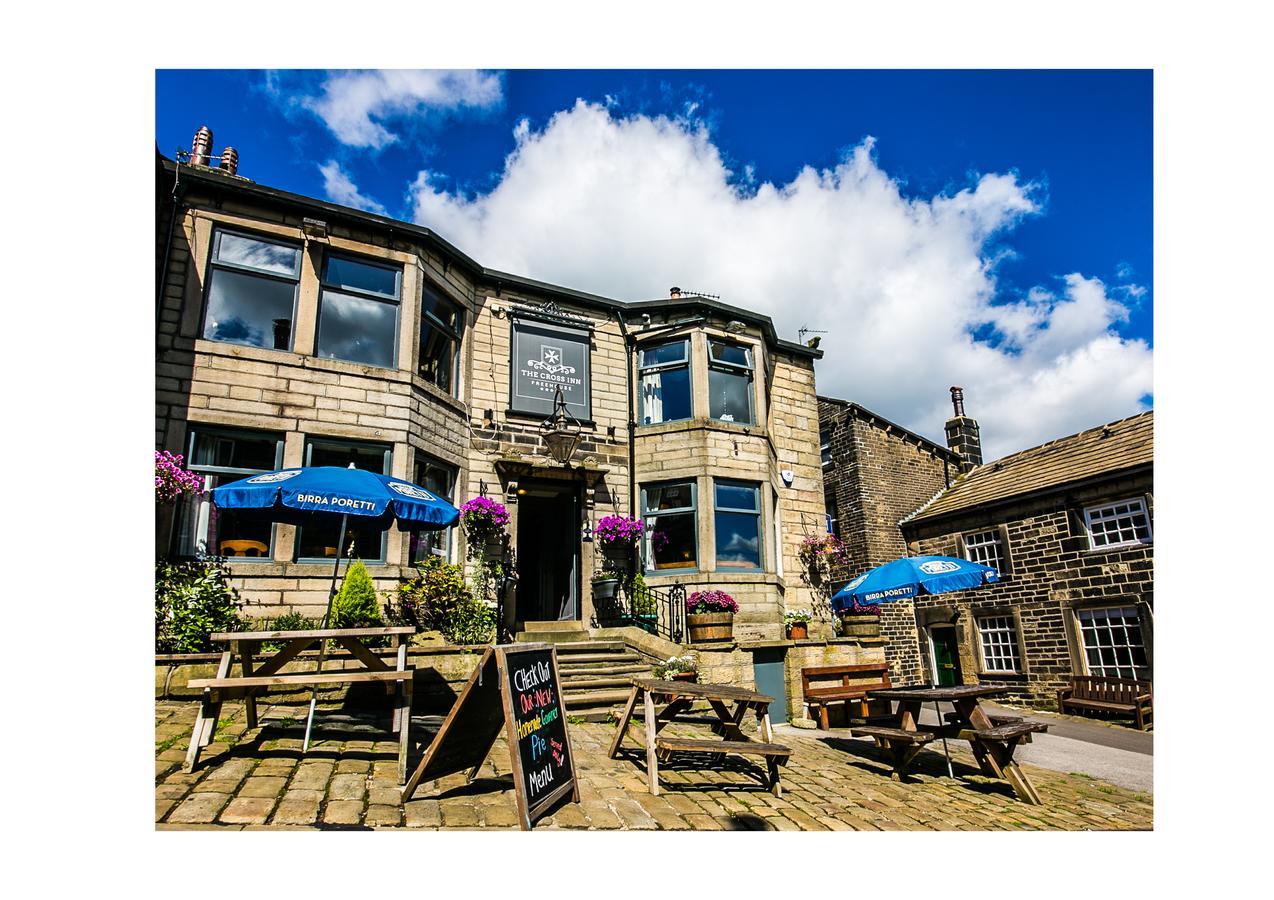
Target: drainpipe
[632, 422]
[168, 246]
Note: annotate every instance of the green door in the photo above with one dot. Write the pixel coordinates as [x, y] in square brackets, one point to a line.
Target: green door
[945, 656]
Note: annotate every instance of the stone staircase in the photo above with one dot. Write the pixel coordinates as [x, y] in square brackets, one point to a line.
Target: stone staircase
[596, 675]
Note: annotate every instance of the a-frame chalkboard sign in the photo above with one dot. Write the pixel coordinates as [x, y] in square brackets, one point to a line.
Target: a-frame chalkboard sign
[517, 686]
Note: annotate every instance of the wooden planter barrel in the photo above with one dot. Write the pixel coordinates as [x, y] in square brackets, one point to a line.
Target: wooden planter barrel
[710, 626]
[860, 625]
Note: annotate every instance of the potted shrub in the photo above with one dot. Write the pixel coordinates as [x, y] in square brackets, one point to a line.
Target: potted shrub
[678, 668]
[798, 624]
[483, 520]
[710, 616]
[860, 621]
[618, 537]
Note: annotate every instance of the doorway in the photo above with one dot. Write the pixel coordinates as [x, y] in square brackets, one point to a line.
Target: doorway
[548, 552]
[944, 652]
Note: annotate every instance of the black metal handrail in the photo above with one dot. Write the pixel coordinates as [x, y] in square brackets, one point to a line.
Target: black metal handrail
[658, 611]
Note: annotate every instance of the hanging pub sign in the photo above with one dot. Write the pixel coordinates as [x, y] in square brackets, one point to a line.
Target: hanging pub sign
[548, 356]
[515, 686]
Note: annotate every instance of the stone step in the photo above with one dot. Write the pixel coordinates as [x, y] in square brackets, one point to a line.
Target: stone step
[603, 659]
[564, 625]
[570, 685]
[583, 699]
[559, 639]
[638, 669]
[576, 647]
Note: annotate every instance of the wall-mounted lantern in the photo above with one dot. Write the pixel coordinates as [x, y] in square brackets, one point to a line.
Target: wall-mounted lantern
[561, 431]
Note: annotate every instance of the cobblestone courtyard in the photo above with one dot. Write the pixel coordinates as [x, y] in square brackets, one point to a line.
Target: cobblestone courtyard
[347, 780]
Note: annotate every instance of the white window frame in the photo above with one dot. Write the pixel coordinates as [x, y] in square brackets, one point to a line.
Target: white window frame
[1127, 613]
[1009, 628]
[1138, 506]
[975, 541]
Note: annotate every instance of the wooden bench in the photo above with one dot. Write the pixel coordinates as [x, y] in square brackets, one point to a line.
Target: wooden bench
[227, 686]
[852, 684]
[669, 745]
[953, 718]
[1010, 732]
[1125, 696]
[900, 744]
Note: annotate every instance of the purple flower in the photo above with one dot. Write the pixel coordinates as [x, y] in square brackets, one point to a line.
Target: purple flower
[619, 531]
[711, 602]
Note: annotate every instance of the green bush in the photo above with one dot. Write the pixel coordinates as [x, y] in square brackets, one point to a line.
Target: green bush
[438, 599]
[356, 604]
[193, 600]
[289, 621]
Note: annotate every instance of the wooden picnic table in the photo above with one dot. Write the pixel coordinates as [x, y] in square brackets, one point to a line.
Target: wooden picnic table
[678, 697]
[992, 741]
[260, 669]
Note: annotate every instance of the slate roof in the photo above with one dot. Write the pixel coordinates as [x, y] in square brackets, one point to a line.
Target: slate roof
[1104, 450]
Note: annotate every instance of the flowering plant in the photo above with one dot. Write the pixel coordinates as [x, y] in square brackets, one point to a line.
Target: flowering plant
[711, 602]
[861, 609]
[173, 481]
[798, 617]
[483, 518]
[619, 532]
[676, 664]
[658, 541]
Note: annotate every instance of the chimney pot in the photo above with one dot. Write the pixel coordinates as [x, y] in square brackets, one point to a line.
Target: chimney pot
[230, 160]
[963, 435]
[957, 400]
[201, 147]
[674, 292]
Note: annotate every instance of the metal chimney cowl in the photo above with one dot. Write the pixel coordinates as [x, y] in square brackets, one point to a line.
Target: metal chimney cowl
[201, 147]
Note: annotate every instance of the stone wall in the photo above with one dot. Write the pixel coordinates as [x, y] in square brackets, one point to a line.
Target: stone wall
[878, 475]
[1051, 572]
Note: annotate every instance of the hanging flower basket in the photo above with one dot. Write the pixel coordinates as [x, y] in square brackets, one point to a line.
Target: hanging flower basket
[618, 537]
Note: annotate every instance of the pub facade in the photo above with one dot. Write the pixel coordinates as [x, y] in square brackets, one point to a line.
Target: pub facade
[295, 332]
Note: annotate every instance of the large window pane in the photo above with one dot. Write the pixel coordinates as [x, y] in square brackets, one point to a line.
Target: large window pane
[737, 517]
[1113, 643]
[357, 329]
[440, 322]
[438, 478]
[729, 382]
[248, 309]
[320, 540]
[664, 371]
[221, 457]
[671, 531]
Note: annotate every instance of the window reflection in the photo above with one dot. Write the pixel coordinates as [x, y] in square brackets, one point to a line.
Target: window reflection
[251, 291]
[358, 312]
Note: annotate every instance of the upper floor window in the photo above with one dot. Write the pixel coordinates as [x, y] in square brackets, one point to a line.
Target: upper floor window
[358, 311]
[986, 547]
[729, 382]
[998, 636]
[664, 376]
[440, 325]
[440, 479]
[251, 291]
[737, 516]
[671, 531]
[825, 449]
[320, 540]
[1118, 524]
[222, 456]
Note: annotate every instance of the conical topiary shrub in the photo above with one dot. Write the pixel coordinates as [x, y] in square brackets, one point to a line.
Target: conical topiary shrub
[356, 604]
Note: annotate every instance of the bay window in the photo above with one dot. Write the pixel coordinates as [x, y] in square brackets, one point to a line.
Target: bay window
[222, 456]
[318, 541]
[729, 382]
[439, 479]
[737, 515]
[358, 311]
[664, 378]
[251, 291]
[440, 324]
[671, 530]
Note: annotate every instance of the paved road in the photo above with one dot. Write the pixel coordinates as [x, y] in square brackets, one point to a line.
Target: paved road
[1120, 756]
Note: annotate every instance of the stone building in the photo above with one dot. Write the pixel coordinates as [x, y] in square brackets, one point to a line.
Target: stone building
[875, 472]
[292, 331]
[1069, 526]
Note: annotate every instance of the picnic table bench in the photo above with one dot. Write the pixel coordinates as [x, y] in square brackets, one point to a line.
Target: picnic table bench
[253, 679]
[680, 696]
[1128, 696]
[992, 743]
[848, 684]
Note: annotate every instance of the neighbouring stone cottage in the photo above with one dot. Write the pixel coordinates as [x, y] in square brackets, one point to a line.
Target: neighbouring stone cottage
[291, 332]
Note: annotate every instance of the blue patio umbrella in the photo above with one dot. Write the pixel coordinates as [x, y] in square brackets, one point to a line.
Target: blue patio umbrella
[912, 576]
[306, 494]
[909, 577]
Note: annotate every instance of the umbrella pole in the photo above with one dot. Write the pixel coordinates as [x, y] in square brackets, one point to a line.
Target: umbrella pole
[327, 615]
[946, 751]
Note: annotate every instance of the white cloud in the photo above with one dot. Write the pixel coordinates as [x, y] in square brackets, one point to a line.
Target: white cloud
[340, 188]
[626, 207]
[356, 106]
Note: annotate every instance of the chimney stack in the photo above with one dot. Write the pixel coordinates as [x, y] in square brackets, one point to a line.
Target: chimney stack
[201, 147]
[674, 293]
[963, 436]
[230, 160]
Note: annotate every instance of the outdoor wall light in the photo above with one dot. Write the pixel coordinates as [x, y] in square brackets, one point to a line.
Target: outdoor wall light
[561, 431]
[315, 228]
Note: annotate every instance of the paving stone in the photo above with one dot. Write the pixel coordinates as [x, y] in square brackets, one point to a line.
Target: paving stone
[356, 766]
[457, 813]
[499, 815]
[263, 786]
[247, 811]
[162, 807]
[343, 812]
[198, 808]
[171, 791]
[347, 787]
[568, 816]
[382, 816]
[422, 814]
[297, 810]
[600, 815]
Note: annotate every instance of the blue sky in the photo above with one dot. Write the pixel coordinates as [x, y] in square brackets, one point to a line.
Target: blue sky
[986, 228]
